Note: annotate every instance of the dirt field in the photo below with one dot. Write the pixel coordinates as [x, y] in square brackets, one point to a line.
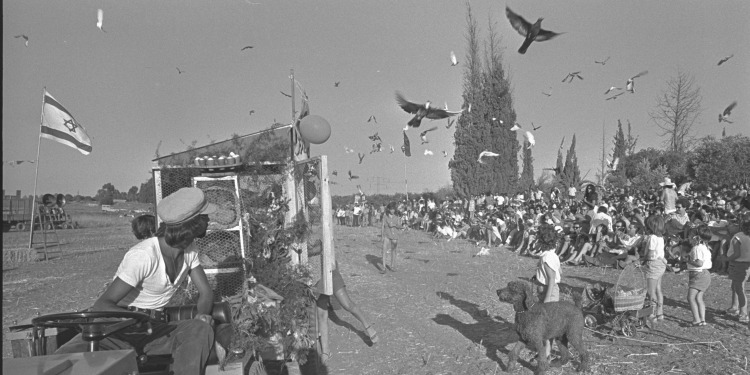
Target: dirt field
[427, 314]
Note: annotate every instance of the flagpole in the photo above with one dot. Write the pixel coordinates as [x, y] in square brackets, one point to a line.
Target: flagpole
[36, 174]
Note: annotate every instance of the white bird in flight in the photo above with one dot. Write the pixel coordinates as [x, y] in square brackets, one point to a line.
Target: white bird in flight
[485, 153]
[423, 134]
[100, 19]
[454, 60]
[25, 38]
[530, 138]
[611, 88]
[428, 152]
[630, 83]
[515, 127]
[724, 116]
[348, 150]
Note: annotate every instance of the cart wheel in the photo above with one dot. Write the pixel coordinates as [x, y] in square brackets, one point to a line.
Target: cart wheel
[628, 329]
[589, 321]
[20, 227]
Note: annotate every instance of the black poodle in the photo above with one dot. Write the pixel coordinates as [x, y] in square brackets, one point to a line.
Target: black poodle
[537, 322]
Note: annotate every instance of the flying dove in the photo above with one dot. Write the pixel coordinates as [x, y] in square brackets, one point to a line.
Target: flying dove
[602, 62]
[630, 83]
[535, 127]
[348, 150]
[392, 149]
[100, 19]
[556, 169]
[361, 156]
[450, 123]
[515, 127]
[422, 111]
[335, 173]
[252, 111]
[530, 137]
[375, 137]
[548, 94]
[572, 76]
[428, 152]
[25, 38]
[454, 60]
[445, 154]
[530, 32]
[376, 147]
[613, 165]
[724, 116]
[614, 97]
[725, 59]
[485, 153]
[612, 88]
[246, 47]
[351, 176]
[372, 118]
[336, 84]
[423, 134]
[285, 94]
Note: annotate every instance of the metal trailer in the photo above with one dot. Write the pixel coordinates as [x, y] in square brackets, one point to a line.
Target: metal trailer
[50, 213]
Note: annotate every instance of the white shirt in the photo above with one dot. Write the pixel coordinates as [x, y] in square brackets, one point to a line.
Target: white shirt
[143, 268]
[656, 243]
[551, 259]
[700, 252]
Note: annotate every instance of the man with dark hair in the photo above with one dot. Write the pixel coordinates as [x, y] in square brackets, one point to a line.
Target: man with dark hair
[147, 278]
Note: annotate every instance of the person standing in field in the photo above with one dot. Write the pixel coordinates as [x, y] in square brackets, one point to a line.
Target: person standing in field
[699, 263]
[391, 221]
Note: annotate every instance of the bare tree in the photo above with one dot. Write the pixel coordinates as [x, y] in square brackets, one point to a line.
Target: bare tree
[677, 109]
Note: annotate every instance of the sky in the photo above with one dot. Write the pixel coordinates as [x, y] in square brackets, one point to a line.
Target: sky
[123, 85]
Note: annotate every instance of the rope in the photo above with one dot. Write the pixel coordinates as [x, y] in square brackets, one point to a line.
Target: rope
[656, 342]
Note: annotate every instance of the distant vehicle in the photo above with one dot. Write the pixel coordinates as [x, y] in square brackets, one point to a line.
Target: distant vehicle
[51, 214]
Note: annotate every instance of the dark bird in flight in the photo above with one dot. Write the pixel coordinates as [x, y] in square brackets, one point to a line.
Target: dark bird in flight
[252, 111]
[285, 94]
[614, 97]
[179, 71]
[535, 127]
[612, 88]
[375, 137]
[450, 123]
[630, 83]
[246, 47]
[351, 176]
[26, 40]
[724, 116]
[527, 30]
[376, 147]
[372, 118]
[335, 173]
[361, 156]
[445, 154]
[421, 111]
[557, 170]
[423, 134]
[602, 62]
[720, 61]
[573, 76]
[406, 146]
[336, 84]
[548, 94]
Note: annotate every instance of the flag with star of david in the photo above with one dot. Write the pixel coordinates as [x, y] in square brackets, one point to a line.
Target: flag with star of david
[60, 126]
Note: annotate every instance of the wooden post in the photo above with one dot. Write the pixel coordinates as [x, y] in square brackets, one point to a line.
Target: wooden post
[328, 261]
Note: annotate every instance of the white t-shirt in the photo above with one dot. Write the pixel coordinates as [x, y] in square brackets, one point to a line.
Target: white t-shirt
[551, 259]
[656, 243]
[700, 251]
[143, 268]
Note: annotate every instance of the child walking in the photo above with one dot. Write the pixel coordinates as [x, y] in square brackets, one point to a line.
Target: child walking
[391, 221]
[548, 274]
[655, 262]
[698, 263]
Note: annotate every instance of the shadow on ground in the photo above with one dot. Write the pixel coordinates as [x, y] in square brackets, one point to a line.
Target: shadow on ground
[492, 334]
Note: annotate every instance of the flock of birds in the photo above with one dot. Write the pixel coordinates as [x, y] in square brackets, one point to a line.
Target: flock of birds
[531, 33]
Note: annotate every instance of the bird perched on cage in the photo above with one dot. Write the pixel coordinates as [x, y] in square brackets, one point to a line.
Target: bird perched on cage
[423, 134]
[631, 81]
[421, 111]
[530, 32]
[486, 153]
[724, 116]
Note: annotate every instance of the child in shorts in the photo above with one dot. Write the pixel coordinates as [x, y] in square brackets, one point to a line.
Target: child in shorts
[698, 265]
[391, 221]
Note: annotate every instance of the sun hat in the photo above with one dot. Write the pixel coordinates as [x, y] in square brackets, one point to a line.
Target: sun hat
[667, 182]
[183, 205]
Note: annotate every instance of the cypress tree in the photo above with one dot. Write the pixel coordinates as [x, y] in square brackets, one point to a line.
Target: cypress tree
[571, 173]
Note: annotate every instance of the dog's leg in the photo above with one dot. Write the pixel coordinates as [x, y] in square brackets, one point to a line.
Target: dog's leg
[576, 340]
[513, 356]
[542, 360]
[562, 346]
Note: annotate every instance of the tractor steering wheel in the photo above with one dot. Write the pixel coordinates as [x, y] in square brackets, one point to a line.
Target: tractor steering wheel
[91, 331]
